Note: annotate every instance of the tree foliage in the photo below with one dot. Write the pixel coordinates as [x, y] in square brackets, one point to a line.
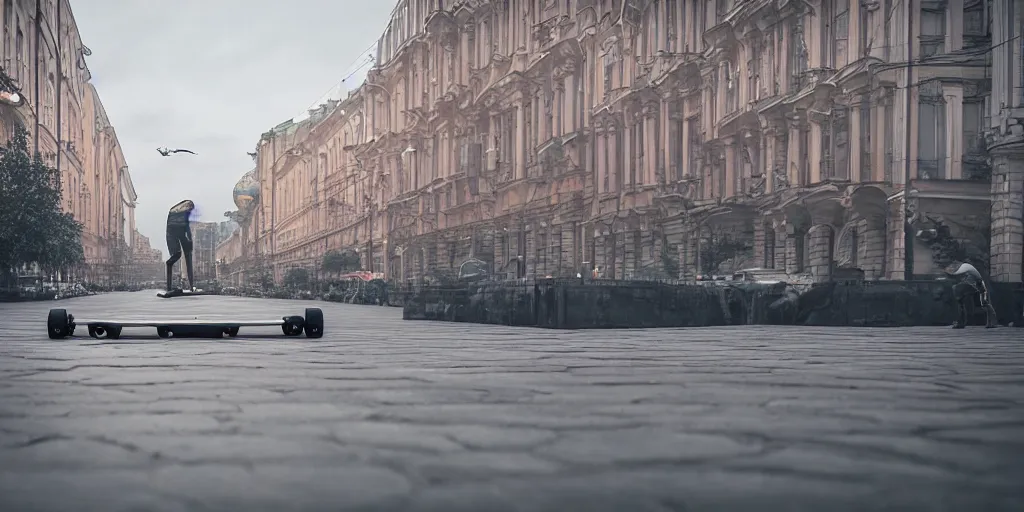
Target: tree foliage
[7, 84]
[717, 248]
[340, 261]
[259, 272]
[296, 277]
[33, 227]
[669, 259]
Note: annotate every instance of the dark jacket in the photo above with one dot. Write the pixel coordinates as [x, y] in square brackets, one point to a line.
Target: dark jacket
[177, 217]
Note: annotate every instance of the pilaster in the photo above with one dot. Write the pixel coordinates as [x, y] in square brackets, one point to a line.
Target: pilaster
[954, 94]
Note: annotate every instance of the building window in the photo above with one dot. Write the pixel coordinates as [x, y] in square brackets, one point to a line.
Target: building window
[671, 9]
[975, 153]
[931, 130]
[695, 150]
[797, 55]
[754, 72]
[835, 163]
[976, 26]
[805, 157]
[769, 246]
[865, 32]
[721, 9]
[933, 31]
[676, 142]
[840, 48]
[732, 99]
[888, 134]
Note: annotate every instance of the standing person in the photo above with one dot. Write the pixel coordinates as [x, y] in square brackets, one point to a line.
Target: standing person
[971, 286]
[179, 241]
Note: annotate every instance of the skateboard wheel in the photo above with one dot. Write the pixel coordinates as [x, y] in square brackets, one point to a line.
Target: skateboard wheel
[58, 324]
[314, 324]
[164, 332]
[231, 331]
[292, 325]
[107, 332]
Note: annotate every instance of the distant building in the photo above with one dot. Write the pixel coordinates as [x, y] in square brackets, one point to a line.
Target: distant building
[639, 138]
[69, 128]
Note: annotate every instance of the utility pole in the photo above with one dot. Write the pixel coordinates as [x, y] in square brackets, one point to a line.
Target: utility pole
[908, 230]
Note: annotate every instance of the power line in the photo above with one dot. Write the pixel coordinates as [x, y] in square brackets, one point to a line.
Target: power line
[365, 60]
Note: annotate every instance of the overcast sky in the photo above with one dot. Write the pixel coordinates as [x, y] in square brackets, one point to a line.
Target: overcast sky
[211, 76]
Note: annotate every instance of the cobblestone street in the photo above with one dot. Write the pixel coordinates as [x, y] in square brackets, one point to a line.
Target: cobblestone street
[385, 414]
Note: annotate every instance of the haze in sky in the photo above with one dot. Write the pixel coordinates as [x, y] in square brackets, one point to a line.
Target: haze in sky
[211, 76]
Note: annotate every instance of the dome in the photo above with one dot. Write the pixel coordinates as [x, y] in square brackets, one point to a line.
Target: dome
[246, 192]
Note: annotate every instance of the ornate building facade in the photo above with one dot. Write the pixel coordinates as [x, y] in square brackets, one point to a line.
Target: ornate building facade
[662, 138]
[43, 52]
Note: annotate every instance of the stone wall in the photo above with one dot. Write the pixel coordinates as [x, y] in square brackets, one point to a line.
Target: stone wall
[577, 304]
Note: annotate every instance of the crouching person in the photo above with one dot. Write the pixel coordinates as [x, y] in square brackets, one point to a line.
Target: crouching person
[970, 288]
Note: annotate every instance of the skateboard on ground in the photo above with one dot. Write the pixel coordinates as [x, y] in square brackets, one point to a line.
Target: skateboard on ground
[178, 292]
[60, 324]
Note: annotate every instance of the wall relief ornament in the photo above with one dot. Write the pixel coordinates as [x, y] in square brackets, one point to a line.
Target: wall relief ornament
[779, 178]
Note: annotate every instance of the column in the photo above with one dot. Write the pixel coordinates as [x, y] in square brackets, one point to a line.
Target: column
[759, 248]
[742, 91]
[627, 161]
[688, 259]
[687, 172]
[793, 154]
[769, 140]
[650, 145]
[814, 152]
[791, 249]
[954, 94]
[878, 155]
[521, 138]
[780, 248]
[601, 137]
[558, 129]
[854, 140]
[720, 96]
[730, 168]
[614, 162]
[666, 140]
[896, 253]
[853, 49]
[1007, 213]
[571, 95]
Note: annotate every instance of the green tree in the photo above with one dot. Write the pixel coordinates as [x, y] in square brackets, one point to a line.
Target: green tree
[669, 259]
[7, 84]
[337, 262]
[33, 227]
[296, 277]
[259, 273]
[717, 248]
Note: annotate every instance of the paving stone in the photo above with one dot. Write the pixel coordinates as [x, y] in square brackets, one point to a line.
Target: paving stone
[382, 414]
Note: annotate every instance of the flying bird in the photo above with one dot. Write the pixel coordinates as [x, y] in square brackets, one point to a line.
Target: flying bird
[167, 152]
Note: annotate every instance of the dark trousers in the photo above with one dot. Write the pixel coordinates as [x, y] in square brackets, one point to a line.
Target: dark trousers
[966, 296]
[179, 241]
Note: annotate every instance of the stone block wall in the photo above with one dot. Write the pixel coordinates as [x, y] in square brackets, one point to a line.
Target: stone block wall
[579, 304]
[1007, 216]
[820, 264]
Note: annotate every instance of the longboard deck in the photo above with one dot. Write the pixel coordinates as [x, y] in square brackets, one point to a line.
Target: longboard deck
[168, 295]
[185, 322]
